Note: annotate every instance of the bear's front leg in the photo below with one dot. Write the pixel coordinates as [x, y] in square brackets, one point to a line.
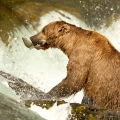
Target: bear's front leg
[63, 89]
[77, 74]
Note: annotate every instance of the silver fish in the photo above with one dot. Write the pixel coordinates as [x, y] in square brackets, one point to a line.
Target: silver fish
[27, 42]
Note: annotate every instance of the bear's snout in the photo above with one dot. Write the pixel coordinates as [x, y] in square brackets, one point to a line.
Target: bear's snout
[32, 38]
[38, 43]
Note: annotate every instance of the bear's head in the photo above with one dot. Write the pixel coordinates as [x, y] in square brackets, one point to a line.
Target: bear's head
[50, 34]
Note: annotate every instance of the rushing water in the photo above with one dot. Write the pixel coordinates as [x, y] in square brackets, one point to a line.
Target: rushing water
[44, 69]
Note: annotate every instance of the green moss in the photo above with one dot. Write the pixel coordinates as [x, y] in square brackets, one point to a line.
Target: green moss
[45, 104]
[78, 109]
[90, 117]
[81, 112]
[28, 103]
[60, 102]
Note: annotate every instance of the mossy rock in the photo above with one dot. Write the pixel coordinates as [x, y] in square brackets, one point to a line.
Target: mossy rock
[86, 112]
[44, 104]
[79, 111]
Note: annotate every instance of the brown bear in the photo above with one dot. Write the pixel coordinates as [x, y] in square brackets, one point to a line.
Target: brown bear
[94, 64]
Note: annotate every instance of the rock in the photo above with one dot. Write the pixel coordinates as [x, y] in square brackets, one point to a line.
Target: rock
[79, 111]
[21, 88]
[13, 110]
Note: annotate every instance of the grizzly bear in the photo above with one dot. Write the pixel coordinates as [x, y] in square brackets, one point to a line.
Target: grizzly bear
[94, 64]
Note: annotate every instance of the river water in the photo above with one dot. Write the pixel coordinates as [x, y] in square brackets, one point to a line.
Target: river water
[45, 69]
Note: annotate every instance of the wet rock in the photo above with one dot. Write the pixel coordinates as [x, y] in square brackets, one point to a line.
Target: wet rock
[79, 111]
[24, 90]
[43, 103]
[85, 112]
[12, 110]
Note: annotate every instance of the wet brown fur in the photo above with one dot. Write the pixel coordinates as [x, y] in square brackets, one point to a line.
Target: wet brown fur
[94, 64]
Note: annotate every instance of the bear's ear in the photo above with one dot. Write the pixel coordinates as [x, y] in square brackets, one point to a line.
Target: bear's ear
[64, 29]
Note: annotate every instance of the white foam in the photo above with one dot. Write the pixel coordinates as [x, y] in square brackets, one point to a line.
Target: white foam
[113, 34]
[60, 112]
[60, 15]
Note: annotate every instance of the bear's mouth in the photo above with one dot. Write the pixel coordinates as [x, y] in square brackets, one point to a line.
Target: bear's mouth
[41, 44]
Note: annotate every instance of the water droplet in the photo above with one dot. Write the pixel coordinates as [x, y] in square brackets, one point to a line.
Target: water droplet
[111, 9]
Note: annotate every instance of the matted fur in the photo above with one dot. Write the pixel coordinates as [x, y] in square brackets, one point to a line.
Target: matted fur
[94, 64]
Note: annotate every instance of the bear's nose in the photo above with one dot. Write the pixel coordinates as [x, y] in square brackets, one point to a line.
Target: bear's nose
[32, 38]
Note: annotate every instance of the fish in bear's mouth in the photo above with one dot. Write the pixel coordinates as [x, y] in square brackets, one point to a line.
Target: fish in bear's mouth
[38, 45]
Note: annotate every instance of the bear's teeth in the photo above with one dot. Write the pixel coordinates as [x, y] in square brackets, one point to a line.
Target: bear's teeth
[42, 42]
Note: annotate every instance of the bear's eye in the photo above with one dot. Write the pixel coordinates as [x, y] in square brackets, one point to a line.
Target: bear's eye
[60, 30]
[43, 30]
